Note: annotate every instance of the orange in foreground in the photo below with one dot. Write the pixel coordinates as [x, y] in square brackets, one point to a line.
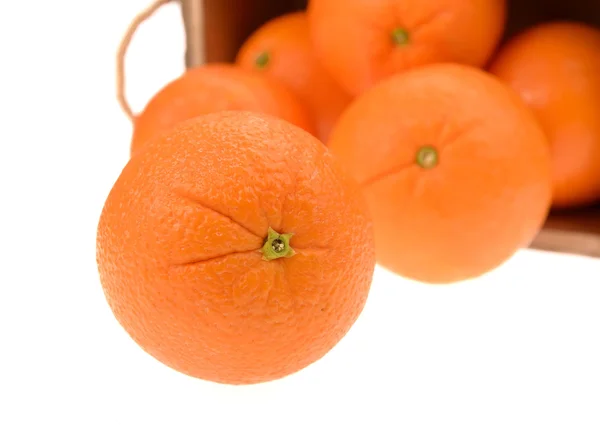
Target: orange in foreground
[555, 67]
[363, 41]
[212, 88]
[233, 249]
[282, 49]
[455, 169]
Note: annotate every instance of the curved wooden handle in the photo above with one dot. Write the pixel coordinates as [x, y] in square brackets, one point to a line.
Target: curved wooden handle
[122, 53]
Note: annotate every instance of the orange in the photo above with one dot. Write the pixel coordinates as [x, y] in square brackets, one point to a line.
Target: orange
[234, 249]
[555, 67]
[363, 41]
[455, 168]
[282, 49]
[216, 87]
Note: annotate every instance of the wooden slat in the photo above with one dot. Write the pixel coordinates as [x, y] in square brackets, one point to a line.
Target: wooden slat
[240, 18]
[193, 21]
[574, 232]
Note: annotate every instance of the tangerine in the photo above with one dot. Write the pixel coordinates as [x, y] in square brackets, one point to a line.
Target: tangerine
[234, 249]
[455, 168]
[282, 49]
[555, 68]
[216, 87]
[363, 41]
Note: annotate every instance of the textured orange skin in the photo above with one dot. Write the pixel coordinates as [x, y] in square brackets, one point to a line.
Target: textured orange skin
[487, 197]
[179, 240]
[353, 37]
[212, 88]
[555, 67]
[293, 62]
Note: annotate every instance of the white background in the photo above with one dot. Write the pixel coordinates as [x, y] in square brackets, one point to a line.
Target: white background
[519, 347]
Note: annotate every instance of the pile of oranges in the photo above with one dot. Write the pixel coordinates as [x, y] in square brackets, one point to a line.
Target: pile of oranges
[239, 242]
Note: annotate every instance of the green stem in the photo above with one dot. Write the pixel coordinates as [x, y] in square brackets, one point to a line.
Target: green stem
[400, 37]
[277, 246]
[427, 157]
[262, 60]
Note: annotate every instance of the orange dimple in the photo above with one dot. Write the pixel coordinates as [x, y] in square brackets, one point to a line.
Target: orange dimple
[179, 248]
[555, 67]
[291, 60]
[353, 38]
[211, 88]
[487, 196]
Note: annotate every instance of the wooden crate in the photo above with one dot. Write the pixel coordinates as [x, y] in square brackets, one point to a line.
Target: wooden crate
[215, 29]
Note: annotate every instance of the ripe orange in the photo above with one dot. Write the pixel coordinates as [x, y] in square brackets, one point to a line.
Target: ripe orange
[216, 87]
[362, 41]
[455, 169]
[555, 67]
[281, 48]
[233, 248]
